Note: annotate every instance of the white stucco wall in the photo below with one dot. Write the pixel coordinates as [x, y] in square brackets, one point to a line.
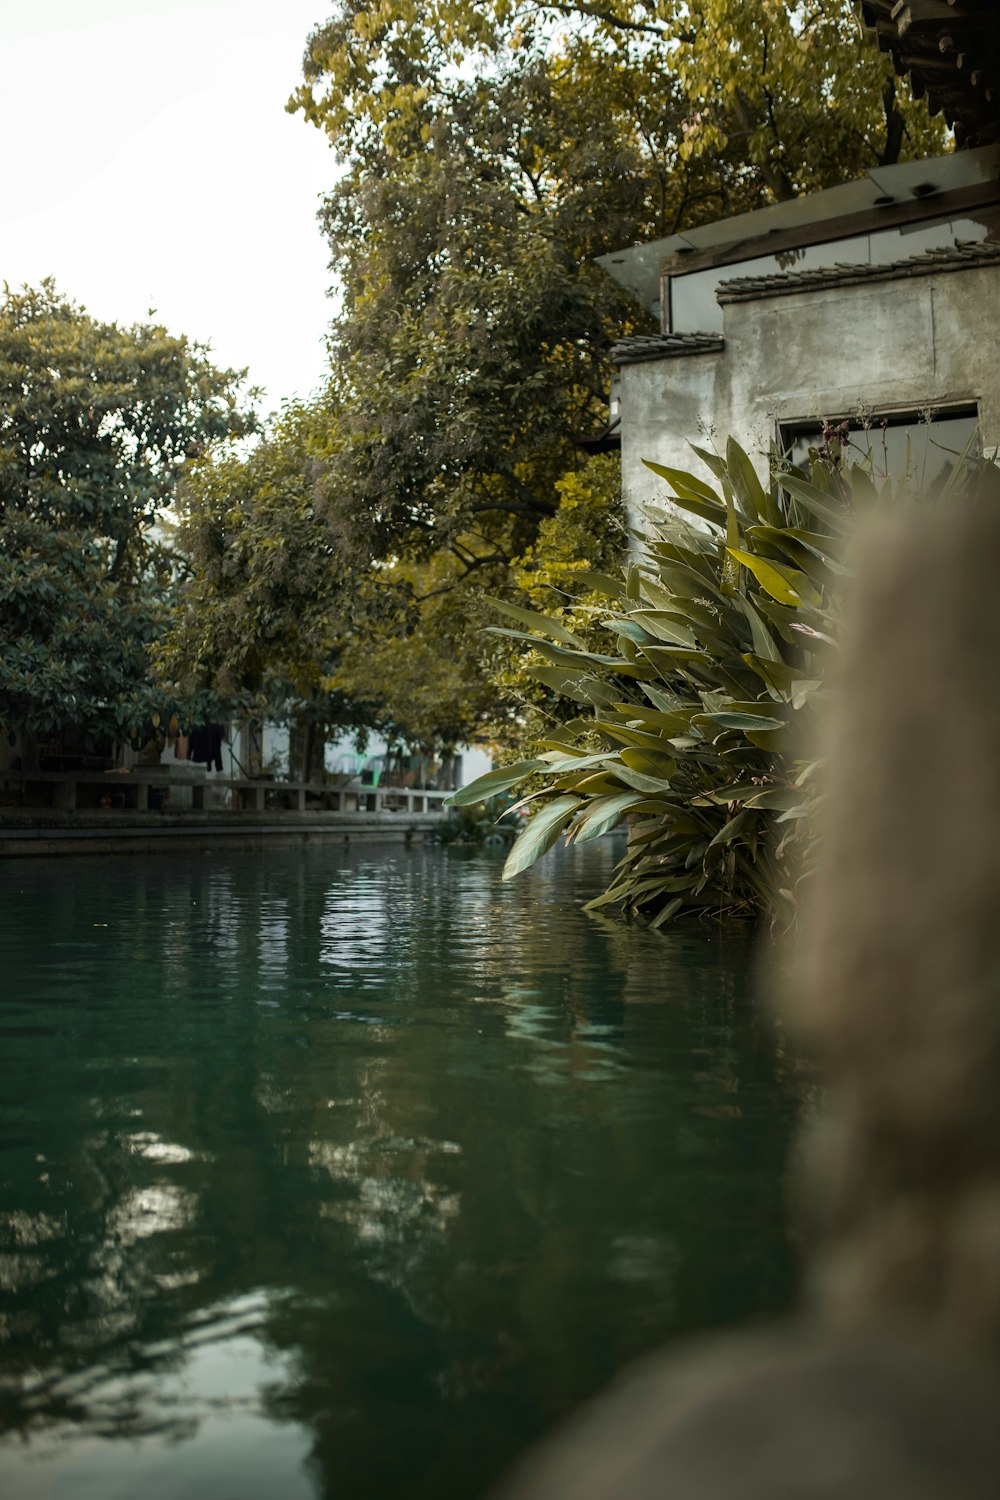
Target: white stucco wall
[893, 345]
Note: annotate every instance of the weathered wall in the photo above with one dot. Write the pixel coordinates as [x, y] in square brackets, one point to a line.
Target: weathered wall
[901, 345]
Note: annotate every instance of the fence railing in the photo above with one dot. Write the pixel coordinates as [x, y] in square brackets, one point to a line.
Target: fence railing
[149, 789]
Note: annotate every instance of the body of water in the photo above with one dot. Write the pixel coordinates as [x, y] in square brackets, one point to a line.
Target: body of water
[347, 1173]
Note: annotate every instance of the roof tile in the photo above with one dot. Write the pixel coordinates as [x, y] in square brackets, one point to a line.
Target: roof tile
[642, 347]
[960, 257]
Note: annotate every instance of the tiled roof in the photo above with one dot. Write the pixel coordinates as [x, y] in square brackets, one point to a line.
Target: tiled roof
[951, 51]
[960, 257]
[641, 347]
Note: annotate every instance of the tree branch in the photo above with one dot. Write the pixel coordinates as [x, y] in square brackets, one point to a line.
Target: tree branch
[597, 13]
[470, 567]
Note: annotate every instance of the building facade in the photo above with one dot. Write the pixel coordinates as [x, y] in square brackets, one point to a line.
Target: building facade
[875, 302]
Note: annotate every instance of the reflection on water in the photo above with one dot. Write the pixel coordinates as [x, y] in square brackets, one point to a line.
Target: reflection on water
[334, 1173]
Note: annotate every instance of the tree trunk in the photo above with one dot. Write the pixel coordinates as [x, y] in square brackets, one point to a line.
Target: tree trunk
[774, 176]
[308, 749]
[895, 127]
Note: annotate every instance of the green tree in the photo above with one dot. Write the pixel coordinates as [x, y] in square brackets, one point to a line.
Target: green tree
[97, 422]
[265, 604]
[781, 98]
[489, 153]
[448, 673]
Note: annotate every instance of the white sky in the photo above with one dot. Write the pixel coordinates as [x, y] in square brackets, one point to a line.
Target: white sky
[148, 162]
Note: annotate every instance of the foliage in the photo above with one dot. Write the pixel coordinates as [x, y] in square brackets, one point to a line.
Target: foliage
[718, 640]
[476, 823]
[273, 613]
[586, 533]
[266, 604]
[260, 570]
[798, 96]
[97, 422]
[694, 721]
[560, 575]
[489, 152]
[470, 357]
[419, 672]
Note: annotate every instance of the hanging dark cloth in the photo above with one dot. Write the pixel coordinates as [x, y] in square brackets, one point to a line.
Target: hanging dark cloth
[206, 745]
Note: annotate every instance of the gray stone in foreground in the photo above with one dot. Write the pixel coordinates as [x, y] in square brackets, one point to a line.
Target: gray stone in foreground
[780, 1417]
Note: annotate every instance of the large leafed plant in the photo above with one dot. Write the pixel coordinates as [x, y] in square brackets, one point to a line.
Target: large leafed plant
[717, 642]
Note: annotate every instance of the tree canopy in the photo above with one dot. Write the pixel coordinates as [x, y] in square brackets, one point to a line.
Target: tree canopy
[97, 422]
[790, 97]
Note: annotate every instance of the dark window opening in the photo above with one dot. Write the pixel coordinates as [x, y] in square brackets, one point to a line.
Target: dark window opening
[921, 448]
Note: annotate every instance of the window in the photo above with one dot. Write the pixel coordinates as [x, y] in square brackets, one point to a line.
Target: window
[920, 446]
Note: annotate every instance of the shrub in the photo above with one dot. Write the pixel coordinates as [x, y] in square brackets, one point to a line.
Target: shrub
[718, 640]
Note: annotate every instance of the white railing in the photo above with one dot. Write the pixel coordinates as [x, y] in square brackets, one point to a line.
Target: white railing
[129, 791]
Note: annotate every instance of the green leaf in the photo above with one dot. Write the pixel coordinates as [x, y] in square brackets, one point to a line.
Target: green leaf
[659, 720]
[741, 791]
[641, 783]
[716, 464]
[600, 583]
[493, 782]
[551, 652]
[782, 618]
[556, 762]
[786, 585]
[614, 895]
[815, 501]
[691, 494]
[687, 481]
[732, 830]
[539, 834]
[538, 624]
[804, 689]
[811, 634]
[863, 489]
[649, 763]
[782, 536]
[603, 814]
[630, 630]
[672, 907]
[685, 581]
[774, 741]
[575, 685]
[764, 643]
[664, 626]
[664, 657]
[744, 721]
[776, 799]
[667, 703]
[634, 738]
[748, 487]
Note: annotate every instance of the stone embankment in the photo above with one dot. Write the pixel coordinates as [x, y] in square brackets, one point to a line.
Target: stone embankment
[238, 815]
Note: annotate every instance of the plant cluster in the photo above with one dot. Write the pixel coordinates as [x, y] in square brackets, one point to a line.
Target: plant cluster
[715, 667]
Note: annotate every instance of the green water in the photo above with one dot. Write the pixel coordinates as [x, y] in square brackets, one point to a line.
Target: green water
[346, 1174]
